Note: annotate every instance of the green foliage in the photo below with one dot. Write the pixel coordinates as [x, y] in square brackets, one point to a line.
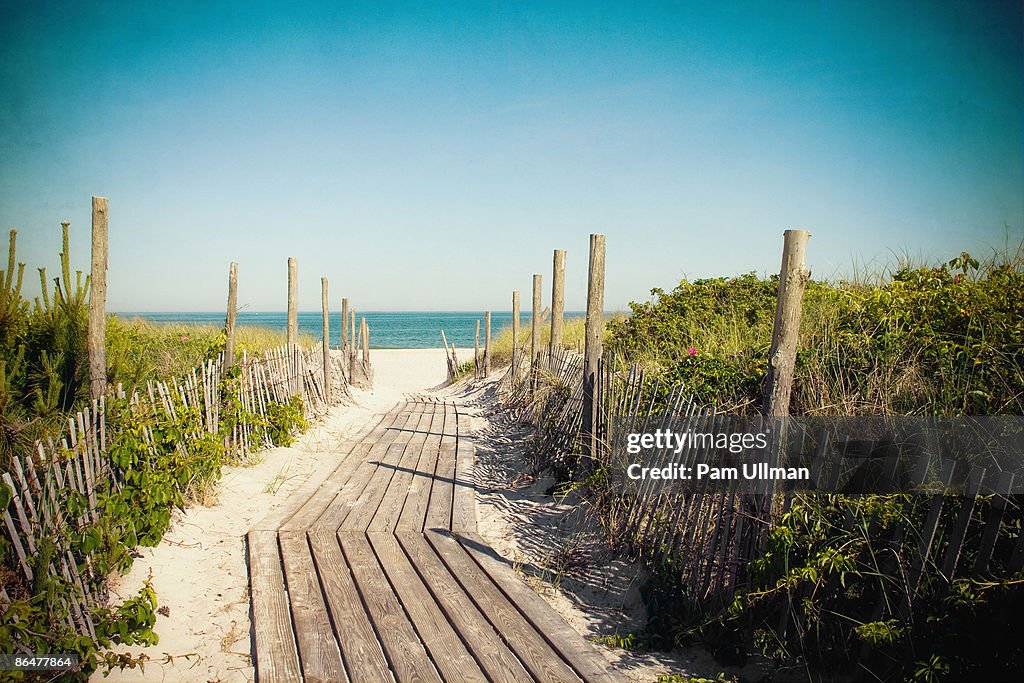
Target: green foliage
[945, 340]
[159, 461]
[629, 642]
[682, 678]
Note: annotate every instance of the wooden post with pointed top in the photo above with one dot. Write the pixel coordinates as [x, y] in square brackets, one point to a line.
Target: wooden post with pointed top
[515, 336]
[97, 331]
[557, 301]
[325, 305]
[793, 278]
[232, 313]
[592, 352]
[487, 344]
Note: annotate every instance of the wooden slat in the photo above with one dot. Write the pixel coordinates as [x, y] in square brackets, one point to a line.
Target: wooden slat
[315, 497]
[439, 510]
[415, 511]
[532, 649]
[490, 651]
[395, 496]
[365, 459]
[464, 496]
[277, 657]
[408, 658]
[586, 660]
[318, 648]
[365, 506]
[449, 653]
[360, 649]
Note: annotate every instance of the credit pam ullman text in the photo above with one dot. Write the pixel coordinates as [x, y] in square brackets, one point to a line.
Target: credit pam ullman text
[751, 470]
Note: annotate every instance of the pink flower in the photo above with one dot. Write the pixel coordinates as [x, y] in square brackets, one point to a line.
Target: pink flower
[184, 337]
[692, 351]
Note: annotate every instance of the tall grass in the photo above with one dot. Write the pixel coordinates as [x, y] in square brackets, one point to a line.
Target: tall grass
[139, 349]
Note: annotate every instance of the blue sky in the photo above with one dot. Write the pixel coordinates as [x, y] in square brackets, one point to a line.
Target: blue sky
[431, 155]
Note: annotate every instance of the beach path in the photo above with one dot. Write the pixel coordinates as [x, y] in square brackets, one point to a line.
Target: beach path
[375, 572]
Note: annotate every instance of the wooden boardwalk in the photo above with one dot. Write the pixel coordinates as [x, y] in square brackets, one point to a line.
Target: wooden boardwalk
[376, 573]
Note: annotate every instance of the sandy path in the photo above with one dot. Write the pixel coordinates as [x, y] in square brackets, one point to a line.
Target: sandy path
[199, 570]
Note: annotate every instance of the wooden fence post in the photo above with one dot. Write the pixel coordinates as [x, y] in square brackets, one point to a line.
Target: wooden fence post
[344, 325]
[792, 279]
[353, 354]
[365, 332]
[535, 325]
[293, 301]
[476, 352]
[97, 332]
[487, 344]
[232, 313]
[515, 336]
[592, 352]
[557, 300]
[327, 339]
[294, 381]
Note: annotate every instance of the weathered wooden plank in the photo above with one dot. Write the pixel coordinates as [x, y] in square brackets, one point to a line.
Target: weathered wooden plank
[493, 655]
[439, 509]
[464, 496]
[276, 654]
[415, 511]
[317, 495]
[532, 649]
[365, 506]
[406, 653]
[449, 653]
[318, 648]
[587, 661]
[364, 659]
[387, 515]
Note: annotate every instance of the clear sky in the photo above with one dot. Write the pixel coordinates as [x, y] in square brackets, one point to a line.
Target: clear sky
[431, 155]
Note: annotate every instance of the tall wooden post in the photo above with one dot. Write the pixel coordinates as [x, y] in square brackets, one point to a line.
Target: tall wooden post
[293, 301]
[515, 336]
[592, 352]
[365, 332]
[557, 301]
[97, 332]
[294, 381]
[353, 355]
[344, 325]
[476, 351]
[793, 278]
[487, 344]
[352, 329]
[325, 305]
[535, 328]
[232, 313]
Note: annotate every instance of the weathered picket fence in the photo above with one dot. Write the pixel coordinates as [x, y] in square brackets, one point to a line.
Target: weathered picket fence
[709, 534]
[54, 490]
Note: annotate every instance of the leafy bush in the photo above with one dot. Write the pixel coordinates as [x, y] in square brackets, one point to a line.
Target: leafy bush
[945, 340]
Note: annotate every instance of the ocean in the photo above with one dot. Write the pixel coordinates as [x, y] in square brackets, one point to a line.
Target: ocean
[388, 330]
